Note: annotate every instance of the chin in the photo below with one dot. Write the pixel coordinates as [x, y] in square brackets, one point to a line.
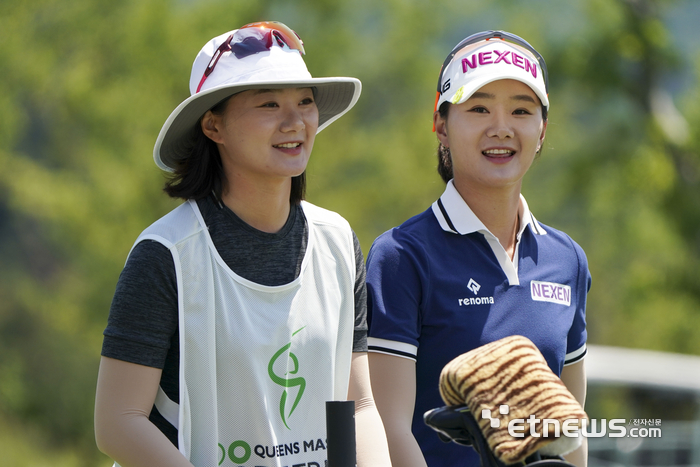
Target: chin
[295, 170]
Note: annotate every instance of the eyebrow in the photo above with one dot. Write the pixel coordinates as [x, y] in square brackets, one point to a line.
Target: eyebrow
[264, 91]
[482, 95]
[523, 97]
[517, 97]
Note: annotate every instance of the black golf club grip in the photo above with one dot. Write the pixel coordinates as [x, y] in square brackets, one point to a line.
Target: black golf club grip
[340, 430]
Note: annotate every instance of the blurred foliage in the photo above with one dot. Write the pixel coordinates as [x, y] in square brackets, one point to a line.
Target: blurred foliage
[88, 83]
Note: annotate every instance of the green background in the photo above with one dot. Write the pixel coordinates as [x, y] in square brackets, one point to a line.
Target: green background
[87, 84]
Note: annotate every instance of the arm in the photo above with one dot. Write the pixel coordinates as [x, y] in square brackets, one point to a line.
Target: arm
[124, 399]
[394, 387]
[372, 447]
[574, 377]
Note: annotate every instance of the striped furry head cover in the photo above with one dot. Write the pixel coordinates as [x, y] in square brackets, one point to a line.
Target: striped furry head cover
[512, 372]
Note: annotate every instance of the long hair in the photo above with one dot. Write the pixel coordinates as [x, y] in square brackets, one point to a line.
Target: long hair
[202, 172]
[444, 167]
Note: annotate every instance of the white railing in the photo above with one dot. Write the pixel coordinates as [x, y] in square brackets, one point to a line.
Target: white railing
[678, 446]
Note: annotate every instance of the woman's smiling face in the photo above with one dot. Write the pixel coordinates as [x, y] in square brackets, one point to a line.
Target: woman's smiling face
[494, 135]
[265, 133]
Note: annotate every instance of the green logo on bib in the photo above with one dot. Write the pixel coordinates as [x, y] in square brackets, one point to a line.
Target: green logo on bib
[287, 382]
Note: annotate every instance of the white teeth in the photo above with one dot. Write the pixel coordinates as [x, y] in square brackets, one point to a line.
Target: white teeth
[288, 145]
[498, 151]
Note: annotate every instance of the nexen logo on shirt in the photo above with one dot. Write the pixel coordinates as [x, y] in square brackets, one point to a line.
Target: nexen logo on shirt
[474, 287]
[550, 292]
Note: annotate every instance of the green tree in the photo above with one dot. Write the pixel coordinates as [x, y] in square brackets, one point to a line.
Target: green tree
[88, 84]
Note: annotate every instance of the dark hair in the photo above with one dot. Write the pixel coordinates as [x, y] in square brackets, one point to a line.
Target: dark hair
[202, 173]
[444, 167]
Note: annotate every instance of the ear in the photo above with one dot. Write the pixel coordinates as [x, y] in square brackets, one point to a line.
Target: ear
[541, 141]
[212, 126]
[440, 128]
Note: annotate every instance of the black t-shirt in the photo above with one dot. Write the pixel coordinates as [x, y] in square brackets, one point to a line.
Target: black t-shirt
[143, 320]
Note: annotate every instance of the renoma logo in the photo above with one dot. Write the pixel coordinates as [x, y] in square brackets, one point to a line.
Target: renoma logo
[474, 286]
[287, 382]
[614, 428]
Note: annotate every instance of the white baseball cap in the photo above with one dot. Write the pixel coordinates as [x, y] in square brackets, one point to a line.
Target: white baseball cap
[486, 57]
[256, 56]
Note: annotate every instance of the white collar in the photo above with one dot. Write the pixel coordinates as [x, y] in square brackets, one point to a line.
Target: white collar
[455, 215]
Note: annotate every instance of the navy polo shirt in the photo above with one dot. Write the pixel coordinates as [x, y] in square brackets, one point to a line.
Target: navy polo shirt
[441, 284]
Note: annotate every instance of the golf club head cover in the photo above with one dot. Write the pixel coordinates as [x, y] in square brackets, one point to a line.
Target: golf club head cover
[507, 380]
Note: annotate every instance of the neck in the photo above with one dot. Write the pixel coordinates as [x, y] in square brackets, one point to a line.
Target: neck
[497, 210]
[265, 208]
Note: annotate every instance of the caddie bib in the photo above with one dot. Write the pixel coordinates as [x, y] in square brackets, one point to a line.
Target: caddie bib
[258, 363]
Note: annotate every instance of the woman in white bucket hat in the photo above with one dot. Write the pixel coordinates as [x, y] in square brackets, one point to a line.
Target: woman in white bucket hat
[242, 311]
[476, 266]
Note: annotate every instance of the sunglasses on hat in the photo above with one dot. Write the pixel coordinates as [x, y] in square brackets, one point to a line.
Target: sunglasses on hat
[253, 38]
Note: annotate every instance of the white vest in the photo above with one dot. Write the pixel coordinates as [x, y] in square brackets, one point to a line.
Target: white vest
[257, 363]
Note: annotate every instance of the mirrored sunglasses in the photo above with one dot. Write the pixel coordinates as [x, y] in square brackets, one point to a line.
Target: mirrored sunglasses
[254, 38]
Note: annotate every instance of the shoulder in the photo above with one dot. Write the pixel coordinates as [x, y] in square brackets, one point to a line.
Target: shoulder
[415, 233]
[149, 251]
[179, 224]
[328, 224]
[331, 229]
[558, 242]
[321, 216]
[408, 250]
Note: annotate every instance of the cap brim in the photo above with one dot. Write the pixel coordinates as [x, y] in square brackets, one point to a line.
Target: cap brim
[478, 83]
[334, 97]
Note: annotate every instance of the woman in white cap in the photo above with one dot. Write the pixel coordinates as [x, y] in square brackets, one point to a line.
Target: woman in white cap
[242, 311]
[476, 266]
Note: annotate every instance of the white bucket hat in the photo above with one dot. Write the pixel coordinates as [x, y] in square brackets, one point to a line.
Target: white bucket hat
[258, 55]
[486, 57]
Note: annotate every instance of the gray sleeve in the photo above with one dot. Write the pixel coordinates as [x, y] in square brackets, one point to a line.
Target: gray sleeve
[142, 323]
[360, 335]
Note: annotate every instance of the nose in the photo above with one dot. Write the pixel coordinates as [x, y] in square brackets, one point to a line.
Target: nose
[293, 121]
[500, 127]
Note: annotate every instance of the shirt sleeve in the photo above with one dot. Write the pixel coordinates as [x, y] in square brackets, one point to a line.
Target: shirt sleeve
[394, 296]
[142, 321]
[576, 341]
[360, 335]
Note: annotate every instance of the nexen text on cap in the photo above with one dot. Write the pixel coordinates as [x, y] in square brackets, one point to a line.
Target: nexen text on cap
[484, 62]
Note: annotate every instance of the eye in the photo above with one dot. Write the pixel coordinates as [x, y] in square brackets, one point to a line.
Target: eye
[271, 104]
[307, 101]
[480, 109]
[522, 112]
